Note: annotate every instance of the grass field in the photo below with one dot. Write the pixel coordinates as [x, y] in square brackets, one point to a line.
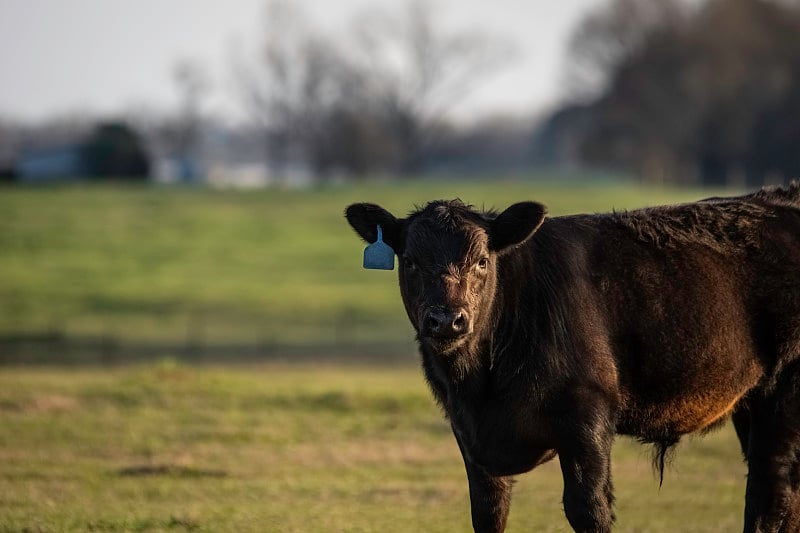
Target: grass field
[315, 446]
[264, 268]
[166, 447]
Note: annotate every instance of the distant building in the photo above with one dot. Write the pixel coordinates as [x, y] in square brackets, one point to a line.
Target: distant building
[245, 175]
[112, 150]
[177, 170]
[48, 163]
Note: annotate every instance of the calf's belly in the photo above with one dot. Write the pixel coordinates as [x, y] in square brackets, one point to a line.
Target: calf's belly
[679, 417]
[508, 449]
[694, 403]
[507, 462]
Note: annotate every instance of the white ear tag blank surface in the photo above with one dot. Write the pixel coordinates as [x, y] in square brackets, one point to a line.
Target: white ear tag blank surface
[379, 255]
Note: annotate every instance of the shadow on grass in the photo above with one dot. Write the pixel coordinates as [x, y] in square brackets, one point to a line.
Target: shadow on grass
[55, 348]
[169, 471]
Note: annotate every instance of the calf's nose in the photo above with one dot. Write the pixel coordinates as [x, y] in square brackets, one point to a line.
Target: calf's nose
[442, 323]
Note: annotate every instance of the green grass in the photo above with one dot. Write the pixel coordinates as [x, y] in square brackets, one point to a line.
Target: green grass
[288, 448]
[292, 449]
[272, 267]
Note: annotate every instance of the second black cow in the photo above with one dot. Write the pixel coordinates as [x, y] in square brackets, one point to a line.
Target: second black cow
[542, 336]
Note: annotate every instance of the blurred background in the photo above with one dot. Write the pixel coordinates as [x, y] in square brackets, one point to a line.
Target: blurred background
[172, 182]
[176, 172]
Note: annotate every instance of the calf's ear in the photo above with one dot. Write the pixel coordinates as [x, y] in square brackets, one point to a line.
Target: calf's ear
[515, 225]
[365, 219]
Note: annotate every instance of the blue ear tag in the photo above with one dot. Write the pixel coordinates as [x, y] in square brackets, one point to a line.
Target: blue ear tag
[379, 255]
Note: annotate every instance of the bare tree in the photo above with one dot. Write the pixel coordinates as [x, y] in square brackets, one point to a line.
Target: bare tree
[362, 103]
[192, 83]
[290, 89]
[417, 71]
[611, 34]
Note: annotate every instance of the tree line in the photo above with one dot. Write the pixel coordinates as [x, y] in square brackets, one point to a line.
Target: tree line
[684, 91]
[375, 98]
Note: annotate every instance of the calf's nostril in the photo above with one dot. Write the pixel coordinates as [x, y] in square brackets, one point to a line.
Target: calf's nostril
[459, 322]
[432, 323]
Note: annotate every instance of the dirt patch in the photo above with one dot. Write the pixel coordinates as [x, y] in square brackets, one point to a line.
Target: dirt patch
[40, 403]
[52, 403]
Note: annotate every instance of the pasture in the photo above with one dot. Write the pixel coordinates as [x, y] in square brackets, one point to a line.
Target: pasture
[187, 270]
[327, 427]
[166, 447]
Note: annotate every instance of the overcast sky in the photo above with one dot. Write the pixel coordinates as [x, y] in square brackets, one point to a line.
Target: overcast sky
[108, 56]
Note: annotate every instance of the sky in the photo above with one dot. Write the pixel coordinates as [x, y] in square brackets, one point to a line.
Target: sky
[108, 57]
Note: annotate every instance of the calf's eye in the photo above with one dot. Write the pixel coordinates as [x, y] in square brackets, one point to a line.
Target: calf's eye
[483, 263]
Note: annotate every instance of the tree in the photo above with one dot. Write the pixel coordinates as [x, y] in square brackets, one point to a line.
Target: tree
[609, 36]
[696, 93]
[373, 102]
[192, 83]
[417, 71]
[11, 141]
[115, 150]
[293, 86]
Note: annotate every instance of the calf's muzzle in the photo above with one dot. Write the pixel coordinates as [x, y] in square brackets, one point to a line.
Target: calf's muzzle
[444, 323]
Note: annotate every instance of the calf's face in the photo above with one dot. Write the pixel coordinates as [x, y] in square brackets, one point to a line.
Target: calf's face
[448, 257]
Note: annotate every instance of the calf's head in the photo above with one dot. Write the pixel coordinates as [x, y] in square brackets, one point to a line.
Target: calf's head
[448, 255]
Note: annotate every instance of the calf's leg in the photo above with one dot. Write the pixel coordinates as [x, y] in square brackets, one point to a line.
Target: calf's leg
[585, 455]
[741, 423]
[489, 496]
[490, 499]
[773, 458]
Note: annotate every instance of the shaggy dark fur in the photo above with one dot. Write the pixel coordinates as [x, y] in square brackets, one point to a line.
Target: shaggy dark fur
[550, 336]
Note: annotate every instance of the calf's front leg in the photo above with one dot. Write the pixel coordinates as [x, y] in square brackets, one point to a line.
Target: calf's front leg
[585, 456]
[490, 498]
